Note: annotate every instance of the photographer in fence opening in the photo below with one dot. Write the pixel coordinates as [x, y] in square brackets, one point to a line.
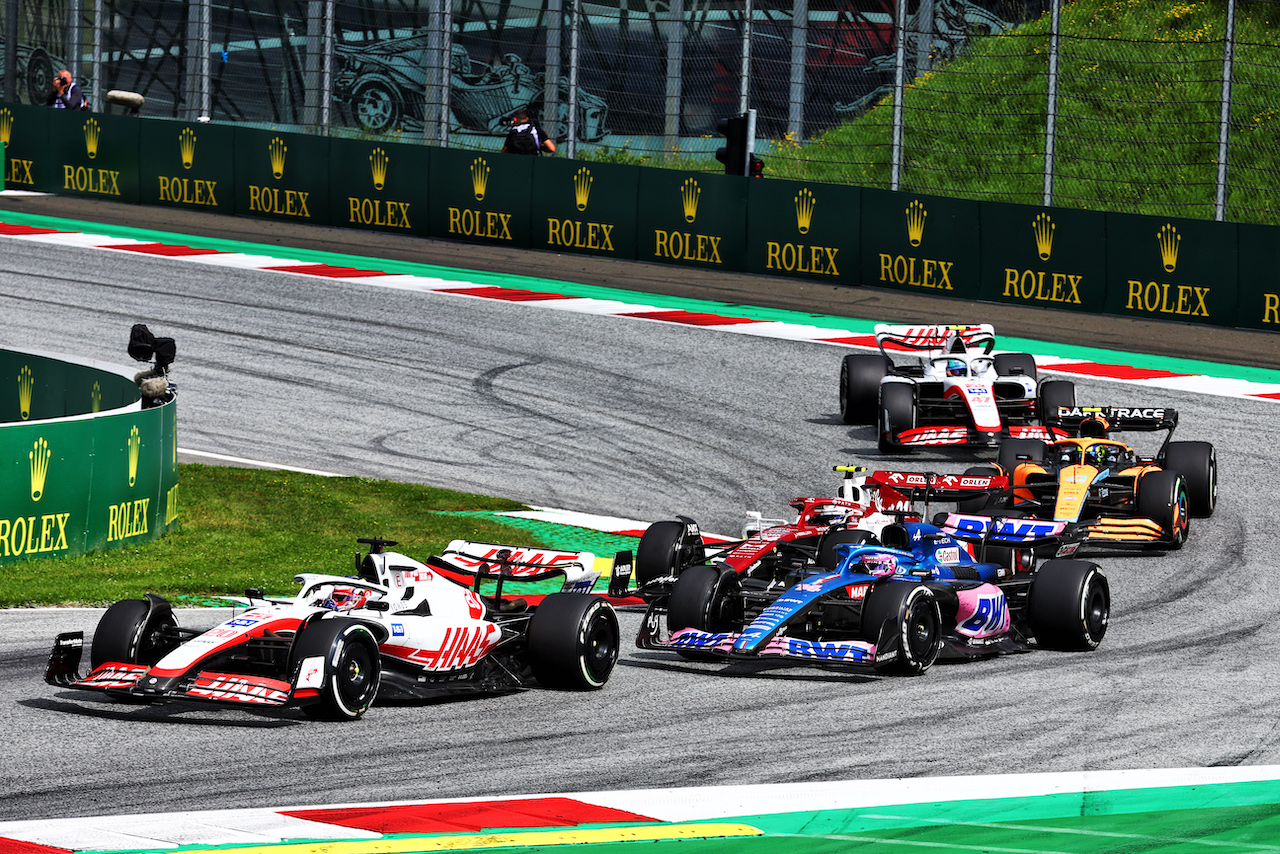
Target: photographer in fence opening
[525, 137]
[66, 94]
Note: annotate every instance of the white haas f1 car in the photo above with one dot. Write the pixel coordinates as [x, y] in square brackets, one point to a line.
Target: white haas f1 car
[949, 390]
[399, 629]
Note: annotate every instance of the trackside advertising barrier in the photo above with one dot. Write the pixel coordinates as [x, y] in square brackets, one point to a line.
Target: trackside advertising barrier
[85, 467]
[1197, 271]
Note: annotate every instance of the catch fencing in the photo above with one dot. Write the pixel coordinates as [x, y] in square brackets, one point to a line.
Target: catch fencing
[1142, 106]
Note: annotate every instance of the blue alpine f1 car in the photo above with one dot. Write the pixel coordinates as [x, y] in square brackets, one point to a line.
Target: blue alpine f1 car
[894, 602]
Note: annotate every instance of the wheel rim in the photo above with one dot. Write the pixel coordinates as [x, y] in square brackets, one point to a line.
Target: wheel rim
[922, 632]
[601, 648]
[355, 675]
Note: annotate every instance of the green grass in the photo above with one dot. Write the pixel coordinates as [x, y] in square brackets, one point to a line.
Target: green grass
[242, 528]
[1137, 121]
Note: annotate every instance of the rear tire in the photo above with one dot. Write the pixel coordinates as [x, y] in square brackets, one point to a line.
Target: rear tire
[353, 670]
[573, 642]
[664, 551]
[907, 614]
[860, 375]
[1012, 364]
[1162, 498]
[827, 556]
[1010, 449]
[1069, 605]
[1197, 462]
[131, 632]
[897, 413]
[1055, 394]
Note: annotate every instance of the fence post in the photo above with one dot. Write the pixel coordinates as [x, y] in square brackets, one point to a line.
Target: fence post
[196, 93]
[744, 81]
[799, 40]
[675, 73]
[1224, 120]
[435, 113]
[1051, 104]
[551, 82]
[575, 25]
[95, 58]
[899, 81]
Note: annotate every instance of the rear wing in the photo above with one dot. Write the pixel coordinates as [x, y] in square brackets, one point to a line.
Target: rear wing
[927, 487]
[980, 338]
[1115, 419]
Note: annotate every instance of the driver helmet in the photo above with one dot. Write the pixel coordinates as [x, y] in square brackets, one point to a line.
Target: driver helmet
[879, 564]
[344, 599]
[1100, 455]
[956, 368]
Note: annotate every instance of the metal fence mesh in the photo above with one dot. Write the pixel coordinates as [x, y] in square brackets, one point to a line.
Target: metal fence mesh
[1120, 107]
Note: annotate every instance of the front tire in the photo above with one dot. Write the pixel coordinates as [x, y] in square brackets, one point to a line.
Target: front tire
[897, 413]
[353, 670]
[860, 375]
[1069, 605]
[665, 549]
[1197, 462]
[706, 599]
[133, 632]
[376, 107]
[1162, 498]
[904, 615]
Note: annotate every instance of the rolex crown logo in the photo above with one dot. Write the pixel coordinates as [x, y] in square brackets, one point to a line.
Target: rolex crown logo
[689, 193]
[92, 131]
[479, 178]
[915, 222]
[26, 384]
[1043, 227]
[187, 145]
[95, 398]
[804, 210]
[135, 443]
[39, 457]
[378, 164]
[6, 125]
[1169, 240]
[582, 188]
[278, 150]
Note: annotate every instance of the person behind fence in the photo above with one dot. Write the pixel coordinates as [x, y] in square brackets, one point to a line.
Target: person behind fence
[525, 137]
[66, 94]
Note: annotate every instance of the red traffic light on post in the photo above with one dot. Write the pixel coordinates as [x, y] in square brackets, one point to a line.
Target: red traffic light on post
[755, 166]
[734, 153]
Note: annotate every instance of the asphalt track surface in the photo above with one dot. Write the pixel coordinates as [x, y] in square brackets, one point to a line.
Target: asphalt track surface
[627, 418]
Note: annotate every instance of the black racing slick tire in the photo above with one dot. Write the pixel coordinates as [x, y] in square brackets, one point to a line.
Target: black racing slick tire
[1162, 498]
[1013, 364]
[1197, 462]
[903, 617]
[573, 642]
[1069, 605]
[705, 598]
[897, 413]
[665, 549]
[1014, 451]
[352, 669]
[828, 558]
[860, 375]
[134, 632]
[1054, 395]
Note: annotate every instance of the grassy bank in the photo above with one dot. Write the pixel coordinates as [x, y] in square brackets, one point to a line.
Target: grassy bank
[243, 528]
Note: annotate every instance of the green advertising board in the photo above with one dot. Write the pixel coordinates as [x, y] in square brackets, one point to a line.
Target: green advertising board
[927, 244]
[585, 207]
[695, 219]
[187, 165]
[24, 129]
[84, 466]
[1046, 257]
[481, 197]
[1172, 269]
[378, 185]
[1259, 277]
[94, 154]
[283, 176]
[804, 230]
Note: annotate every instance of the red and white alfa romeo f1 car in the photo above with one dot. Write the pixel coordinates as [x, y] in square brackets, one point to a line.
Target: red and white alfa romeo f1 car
[398, 629]
[950, 389]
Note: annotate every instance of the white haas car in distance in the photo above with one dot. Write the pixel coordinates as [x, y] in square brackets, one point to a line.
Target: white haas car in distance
[399, 629]
[943, 385]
